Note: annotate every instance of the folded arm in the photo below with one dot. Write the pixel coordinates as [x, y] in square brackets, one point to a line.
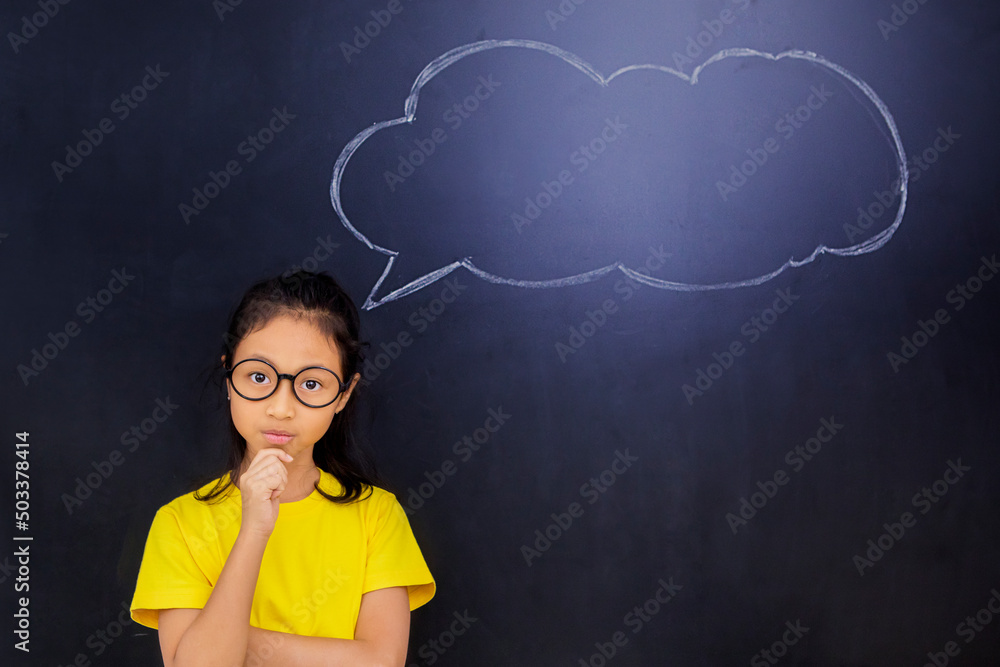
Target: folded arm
[380, 638]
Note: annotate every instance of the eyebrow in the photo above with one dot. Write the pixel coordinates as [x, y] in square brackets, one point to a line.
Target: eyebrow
[264, 358]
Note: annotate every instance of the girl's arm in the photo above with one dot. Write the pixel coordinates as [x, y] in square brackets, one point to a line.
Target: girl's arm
[217, 635]
[380, 638]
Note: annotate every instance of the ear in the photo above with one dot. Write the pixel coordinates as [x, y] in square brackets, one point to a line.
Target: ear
[228, 395]
[346, 396]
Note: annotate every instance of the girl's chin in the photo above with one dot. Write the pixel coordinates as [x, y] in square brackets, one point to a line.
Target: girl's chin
[294, 449]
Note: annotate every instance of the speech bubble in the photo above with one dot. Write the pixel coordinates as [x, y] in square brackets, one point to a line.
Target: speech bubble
[444, 61]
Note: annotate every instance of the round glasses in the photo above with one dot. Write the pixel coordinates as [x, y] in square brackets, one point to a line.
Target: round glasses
[314, 387]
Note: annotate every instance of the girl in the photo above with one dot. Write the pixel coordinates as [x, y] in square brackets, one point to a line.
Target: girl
[294, 556]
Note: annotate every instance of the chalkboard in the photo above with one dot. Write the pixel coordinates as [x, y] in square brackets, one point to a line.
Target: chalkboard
[682, 315]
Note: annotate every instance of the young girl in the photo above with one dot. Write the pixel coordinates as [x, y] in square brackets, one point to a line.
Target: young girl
[294, 556]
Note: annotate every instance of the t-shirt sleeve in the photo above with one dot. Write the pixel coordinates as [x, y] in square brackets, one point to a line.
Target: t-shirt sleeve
[169, 575]
[394, 559]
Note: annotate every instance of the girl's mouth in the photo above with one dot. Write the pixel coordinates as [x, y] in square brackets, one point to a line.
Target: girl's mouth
[277, 437]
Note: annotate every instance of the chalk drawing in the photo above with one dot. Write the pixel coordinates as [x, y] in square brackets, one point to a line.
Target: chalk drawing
[451, 57]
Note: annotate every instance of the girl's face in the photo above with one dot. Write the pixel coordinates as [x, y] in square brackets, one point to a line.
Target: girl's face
[288, 343]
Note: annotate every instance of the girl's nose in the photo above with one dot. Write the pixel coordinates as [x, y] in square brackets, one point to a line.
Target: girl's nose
[281, 404]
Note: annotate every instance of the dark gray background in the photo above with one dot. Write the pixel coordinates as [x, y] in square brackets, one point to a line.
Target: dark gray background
[496, 346]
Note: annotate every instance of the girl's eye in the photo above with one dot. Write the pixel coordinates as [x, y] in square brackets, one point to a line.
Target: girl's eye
[258, 378]
[311, 385]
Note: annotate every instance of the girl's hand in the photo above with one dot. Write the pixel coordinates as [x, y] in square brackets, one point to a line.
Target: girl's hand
[260, 487]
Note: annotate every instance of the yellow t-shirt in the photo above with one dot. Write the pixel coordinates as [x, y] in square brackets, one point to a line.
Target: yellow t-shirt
[320, 559]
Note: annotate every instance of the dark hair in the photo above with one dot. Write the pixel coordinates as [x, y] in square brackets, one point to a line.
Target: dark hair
[318, 297]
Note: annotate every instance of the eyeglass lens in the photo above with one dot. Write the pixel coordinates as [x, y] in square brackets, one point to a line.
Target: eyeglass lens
[255, 379]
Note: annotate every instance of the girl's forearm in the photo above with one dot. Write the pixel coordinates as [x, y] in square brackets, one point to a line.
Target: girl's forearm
[267, 648]
[218, 636]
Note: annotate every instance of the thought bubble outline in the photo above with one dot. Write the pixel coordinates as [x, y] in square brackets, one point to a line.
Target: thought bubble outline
[451, 57]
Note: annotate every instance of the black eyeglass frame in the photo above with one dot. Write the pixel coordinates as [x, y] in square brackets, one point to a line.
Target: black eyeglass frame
[342, 386]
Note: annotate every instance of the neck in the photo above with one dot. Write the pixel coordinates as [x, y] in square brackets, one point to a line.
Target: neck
[301, 481]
